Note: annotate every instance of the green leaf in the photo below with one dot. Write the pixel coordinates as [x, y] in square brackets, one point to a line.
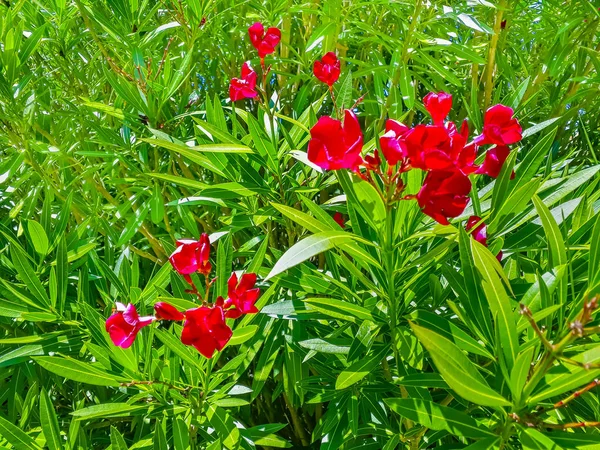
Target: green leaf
[474, 300]
[558, 253]
[424, 379]
[325, 346]
[527, 169]
[133, 224]
[309, 247]
[539, 127]
[460, 373]
[108, 410]
[344, 91]
[38, 237]
[520, 372]
[206, 148]
[301, 218]
[502, 185]
[451, 332]
[406, 87]
[594, 265]
[438, 417]
[157, 206]
[272, 440]
[514, 205]
[224, 425]
[62, 273]
[75, 370]
[241, 335]
[15, 436]
[568, 377]
[499, 302]
[224, 263]
[175, 345]
[27, 275]
[49, 422]
[340, 309]
[181, 434]
[360, 369]
[365, 198]
[117, 442]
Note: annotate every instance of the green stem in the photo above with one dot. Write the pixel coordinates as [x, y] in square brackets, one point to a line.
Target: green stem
[491, 64]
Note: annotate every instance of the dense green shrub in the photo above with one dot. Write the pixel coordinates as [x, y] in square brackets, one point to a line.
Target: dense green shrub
[379, 328]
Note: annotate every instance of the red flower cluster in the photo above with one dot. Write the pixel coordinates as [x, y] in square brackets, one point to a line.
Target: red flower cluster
[440, 149]
[204, 327]
[334, 145]
[265, 42]
[327, 70]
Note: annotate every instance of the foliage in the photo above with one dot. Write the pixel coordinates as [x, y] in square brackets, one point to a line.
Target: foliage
[117, 138]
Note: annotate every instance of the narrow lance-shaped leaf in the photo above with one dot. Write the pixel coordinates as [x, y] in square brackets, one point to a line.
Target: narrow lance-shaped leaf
[460, 373]
[309, 247]
[49, 422]
[438, 417]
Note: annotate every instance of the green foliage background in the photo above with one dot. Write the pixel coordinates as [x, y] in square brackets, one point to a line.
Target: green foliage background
[97, 102]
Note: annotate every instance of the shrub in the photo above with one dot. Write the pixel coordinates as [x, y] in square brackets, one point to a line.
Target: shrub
[322, 225]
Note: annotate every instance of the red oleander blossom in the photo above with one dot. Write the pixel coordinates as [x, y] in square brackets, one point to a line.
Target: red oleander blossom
[241, 296]
[245, 86]
[499, 127]
[264, 42]
[339, 219]
[479, 232]
[205, 329]
[166, 311]
[438, 106]
[327, 70]
[436, 147]
[393, 143]
[494, 160]
[192, 256]
[444, 194]
[334, 146]
[124, 325]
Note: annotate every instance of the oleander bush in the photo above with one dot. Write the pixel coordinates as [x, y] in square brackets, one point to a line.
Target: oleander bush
[327, 224]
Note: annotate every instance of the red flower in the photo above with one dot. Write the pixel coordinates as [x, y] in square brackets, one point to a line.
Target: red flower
[242, 296]
[265, 43]
[206, 330]
[192, 256]
[436, 147]
[339, 219]
[479, 232]
[438, 106]
[333, 146]
[499, 127]
[327, 70]
[165, 311]
[243, 87]
[429, 148]
[393, 144]
[124, 325]
[494, 160]
[444, 194]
